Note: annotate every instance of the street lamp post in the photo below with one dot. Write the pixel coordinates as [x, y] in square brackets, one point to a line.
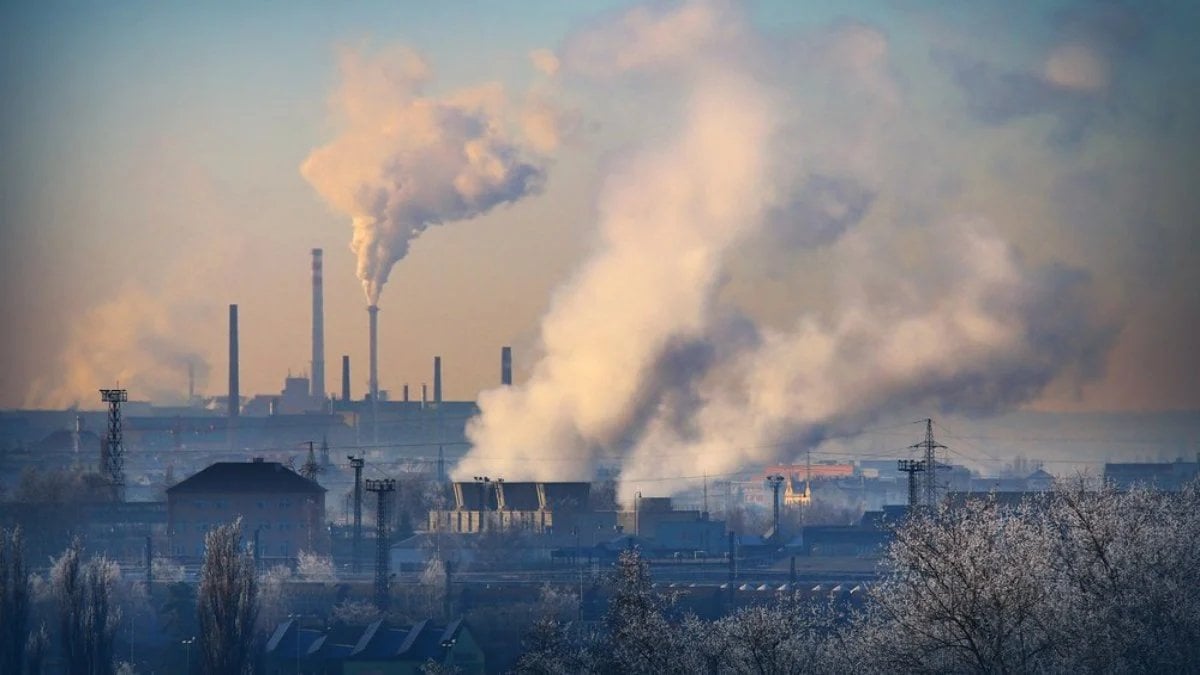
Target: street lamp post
[187, 654]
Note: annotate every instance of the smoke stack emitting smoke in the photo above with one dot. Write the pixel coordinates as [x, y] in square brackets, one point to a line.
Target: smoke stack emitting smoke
[404, 161]
[692, 388]
[373, 352]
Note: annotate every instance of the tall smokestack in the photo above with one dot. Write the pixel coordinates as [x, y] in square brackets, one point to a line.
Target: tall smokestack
[437, 380]
[406, 392]
[234, 396]
[373, 355]
[318, 329]
[345, 377]
[506, 366]
[424, 395]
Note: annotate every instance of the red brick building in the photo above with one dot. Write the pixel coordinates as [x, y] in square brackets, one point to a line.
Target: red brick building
[284, 511]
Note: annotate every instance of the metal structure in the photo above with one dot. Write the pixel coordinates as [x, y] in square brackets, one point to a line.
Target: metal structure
[357, 464]
[373, 368]
[317, 382]
[929, 446]
[912, 467]
[310, 468]
[437, 380]
[234, 403]
[112, 451]
[506, 366]
[382, 488]
[345, 377]
[776, 482]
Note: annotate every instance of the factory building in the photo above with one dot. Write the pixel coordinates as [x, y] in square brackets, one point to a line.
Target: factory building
[534, 507]
[281, 511]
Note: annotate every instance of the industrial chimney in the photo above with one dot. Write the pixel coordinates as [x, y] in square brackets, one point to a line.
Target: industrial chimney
[317, 390]
[345, 377]
[437, 380]
[506, 366]
[373, 353]
[234, 396]
[406, 392]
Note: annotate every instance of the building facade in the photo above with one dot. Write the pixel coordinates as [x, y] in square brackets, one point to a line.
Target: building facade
[282, 512]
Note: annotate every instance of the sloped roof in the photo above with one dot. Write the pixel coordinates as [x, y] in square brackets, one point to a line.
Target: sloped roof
[252, 477]
[520, 496]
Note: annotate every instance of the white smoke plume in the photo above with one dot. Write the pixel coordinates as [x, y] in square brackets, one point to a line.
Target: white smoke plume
[404, 160]
[643, 360]
[140, 340]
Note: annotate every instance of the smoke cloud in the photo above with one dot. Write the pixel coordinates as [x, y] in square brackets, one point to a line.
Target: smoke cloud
[645, 362]
[404, 160]
[139, 340]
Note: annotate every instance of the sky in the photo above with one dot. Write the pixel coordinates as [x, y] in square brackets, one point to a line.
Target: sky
[810, 215]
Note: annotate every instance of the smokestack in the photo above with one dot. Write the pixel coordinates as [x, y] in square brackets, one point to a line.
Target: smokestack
[437, 380]
[234, 396]
[424, 395]
[406, 392]
[345, 377]
[506, 366]
[373, 356]
[318, 329]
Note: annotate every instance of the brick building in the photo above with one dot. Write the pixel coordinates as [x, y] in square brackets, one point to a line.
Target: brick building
[280, 510]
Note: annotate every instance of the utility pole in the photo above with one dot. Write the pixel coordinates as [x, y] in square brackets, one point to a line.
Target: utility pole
[381, 488]
[776, 482]
[912, 467]
[929, 446]
[112, 452]
[357, 463]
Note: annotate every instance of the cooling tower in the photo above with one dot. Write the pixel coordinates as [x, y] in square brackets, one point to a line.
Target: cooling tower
[234, 395]
[437, 380]
[373, 353]
[318, 329]
[506, 366]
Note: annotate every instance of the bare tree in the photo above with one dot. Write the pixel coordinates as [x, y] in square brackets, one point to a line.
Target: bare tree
[14, 601]
[226, 603]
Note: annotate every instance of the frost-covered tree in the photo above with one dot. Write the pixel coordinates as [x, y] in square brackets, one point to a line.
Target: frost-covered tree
[314, 567]
[640, 639]
[1128, 577]
[226, 602]
[87, 619]
[14, 601]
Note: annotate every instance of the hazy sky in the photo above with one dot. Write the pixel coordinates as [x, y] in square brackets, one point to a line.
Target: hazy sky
[152, 158]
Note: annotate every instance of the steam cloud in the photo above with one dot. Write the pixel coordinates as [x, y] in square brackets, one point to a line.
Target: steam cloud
[643, 362]
[404, 161]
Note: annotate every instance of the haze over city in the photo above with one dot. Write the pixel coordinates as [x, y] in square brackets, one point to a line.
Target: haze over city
[594, 293]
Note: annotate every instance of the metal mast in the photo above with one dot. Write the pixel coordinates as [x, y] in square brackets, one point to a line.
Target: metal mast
[112, 452]
[381, 488]
[776, 482]
[357, 464]
[912, 467]
[930, 447]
